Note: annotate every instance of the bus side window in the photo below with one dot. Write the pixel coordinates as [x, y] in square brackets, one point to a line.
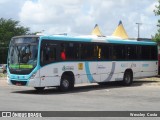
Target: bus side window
[63, 51]
[63, 54]
[44, 55]
[48, 54]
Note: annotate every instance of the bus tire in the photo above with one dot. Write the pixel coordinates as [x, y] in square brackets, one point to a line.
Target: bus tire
[127, 78]
[39, 89]
[66, 84]
[102, 83]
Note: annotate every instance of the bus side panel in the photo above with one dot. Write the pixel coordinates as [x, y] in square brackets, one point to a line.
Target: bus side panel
[136, 68]
[120, 68]
[91, 72]
[49, 76]
[149, 68]
[107, 70]
[114, 71]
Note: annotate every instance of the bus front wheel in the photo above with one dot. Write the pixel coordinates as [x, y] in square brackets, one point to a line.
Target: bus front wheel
[66, 84]
[127, 78]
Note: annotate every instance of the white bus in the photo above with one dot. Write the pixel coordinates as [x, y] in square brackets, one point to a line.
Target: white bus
[63, 61]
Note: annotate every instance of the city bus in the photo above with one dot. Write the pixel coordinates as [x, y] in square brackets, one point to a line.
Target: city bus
[63, 61]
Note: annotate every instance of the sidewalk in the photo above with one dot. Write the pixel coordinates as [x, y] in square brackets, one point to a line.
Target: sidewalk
[3, 81]
[151, 81]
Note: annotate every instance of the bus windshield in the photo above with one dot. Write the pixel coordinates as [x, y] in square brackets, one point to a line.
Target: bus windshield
[23, 54]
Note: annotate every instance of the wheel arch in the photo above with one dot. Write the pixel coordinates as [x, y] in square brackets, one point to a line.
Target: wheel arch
[69, 74]
[129, 70]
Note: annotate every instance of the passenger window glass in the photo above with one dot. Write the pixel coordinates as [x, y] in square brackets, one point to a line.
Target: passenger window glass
[118, 52]
[69, 51]
[103, 52]
[48, 53]
[88, 51]
[131, 52]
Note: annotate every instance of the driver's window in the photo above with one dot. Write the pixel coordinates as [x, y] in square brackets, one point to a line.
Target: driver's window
[25, 54]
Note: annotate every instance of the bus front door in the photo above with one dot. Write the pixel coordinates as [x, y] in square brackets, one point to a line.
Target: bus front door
[49, 70]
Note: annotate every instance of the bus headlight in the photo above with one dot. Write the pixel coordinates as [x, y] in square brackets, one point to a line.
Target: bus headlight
[33, 75]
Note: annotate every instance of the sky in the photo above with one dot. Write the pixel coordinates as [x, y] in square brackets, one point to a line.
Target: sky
[78, 17]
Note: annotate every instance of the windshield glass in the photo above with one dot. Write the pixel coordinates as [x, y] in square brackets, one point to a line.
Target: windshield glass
[23, 53]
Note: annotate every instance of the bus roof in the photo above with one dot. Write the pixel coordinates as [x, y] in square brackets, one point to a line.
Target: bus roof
[91, 38]
[26, 36]
[94, 38]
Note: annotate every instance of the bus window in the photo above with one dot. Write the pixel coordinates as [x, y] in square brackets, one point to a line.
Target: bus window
[88, 51]
[118, 52]
[69, 51]
[131, 51]
[48, 53]
[145, 52]
[103, 52]
[63, 54]
[154, 53]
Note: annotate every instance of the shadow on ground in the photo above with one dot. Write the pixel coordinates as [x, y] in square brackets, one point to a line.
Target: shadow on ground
[90, 87]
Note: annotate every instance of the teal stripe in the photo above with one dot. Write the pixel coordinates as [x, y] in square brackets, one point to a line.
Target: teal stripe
[90, 39]
[67, 38]
[89, 76]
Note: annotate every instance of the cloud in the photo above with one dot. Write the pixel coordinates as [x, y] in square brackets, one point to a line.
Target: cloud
[60, 13]
[3, 1]
[80, 16]
[10, 8]
[151, 8]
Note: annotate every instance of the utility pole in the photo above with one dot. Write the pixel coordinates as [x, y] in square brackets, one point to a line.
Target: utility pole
[138, 29]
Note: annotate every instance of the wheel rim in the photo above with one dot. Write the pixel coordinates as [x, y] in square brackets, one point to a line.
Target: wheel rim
[65, 83]
[127, 78]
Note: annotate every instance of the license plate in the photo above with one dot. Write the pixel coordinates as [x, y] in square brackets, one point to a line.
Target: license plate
[18, 84]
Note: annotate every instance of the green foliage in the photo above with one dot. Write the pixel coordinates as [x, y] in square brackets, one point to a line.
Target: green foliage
[156, 38]
[8, 29]
[157, 13]
[157, 10]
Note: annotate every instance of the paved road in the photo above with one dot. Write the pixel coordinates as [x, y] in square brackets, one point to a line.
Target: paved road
[143, 95]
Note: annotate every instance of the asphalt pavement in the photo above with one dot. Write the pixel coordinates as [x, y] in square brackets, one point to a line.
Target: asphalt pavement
[143, 95]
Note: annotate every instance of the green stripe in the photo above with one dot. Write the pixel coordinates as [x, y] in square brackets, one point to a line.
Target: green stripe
[23, 66]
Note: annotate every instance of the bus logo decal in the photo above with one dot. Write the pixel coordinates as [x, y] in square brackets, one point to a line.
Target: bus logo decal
[66, 68]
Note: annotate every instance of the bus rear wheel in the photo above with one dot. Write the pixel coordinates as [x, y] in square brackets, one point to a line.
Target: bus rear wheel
[127, 78]
[66, 84]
